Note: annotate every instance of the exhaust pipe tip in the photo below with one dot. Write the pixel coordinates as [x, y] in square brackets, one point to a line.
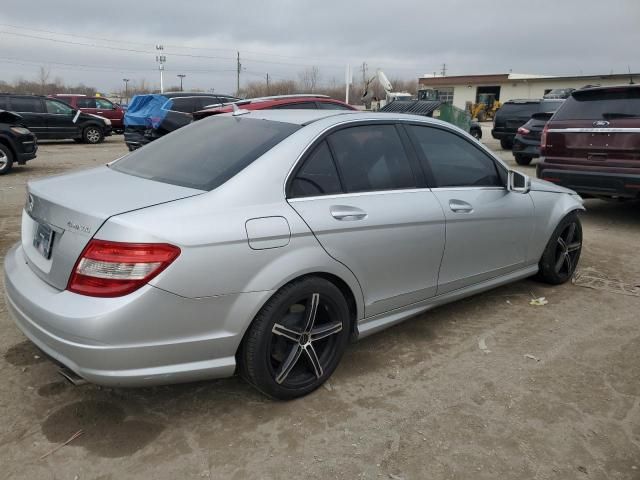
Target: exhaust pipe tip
[71, 376]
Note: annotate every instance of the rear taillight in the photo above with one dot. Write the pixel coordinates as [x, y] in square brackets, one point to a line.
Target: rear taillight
[523, 131]
[543, 139]
[113, 269]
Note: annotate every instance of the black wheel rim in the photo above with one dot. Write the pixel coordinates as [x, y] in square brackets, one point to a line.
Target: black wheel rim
[568, 246]
[304, 341]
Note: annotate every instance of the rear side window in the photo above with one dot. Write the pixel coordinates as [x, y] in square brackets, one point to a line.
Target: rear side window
[86, 102]
[205, 102]
[27, 104]
[206, 153]
[4, 105]
[371, 157]
[601, 104]
[185, 105]
[297, 106]
[331, 106]
[452, 161]
[318, 175]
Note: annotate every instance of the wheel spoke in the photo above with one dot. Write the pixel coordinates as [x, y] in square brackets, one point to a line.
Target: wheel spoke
[571, 233]
[312, 310]
[559, 262]
[562, 243]
[313, 358]
[325, 331]
[289, 363]
[285, 332]
[569, 263]
[574, 247]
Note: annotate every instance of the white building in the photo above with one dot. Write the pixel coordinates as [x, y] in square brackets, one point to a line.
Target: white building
[463, 89]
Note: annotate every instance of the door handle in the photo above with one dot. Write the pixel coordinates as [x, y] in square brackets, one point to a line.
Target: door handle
[347, 213]
[99, 112]
[459, 206]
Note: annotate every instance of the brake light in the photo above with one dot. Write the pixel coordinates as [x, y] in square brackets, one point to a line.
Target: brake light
[113, 269]
[523, 131]
[543, 139]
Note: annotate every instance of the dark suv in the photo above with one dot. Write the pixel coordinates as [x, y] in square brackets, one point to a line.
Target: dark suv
[152, 116]
[592, 143]
[515, 113]
[50, 119]
[17, 143]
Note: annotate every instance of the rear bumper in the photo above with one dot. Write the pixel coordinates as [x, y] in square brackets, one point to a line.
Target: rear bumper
[135, 139]
[592, 183]
[149, 337]
[526, 148]
[502, 135]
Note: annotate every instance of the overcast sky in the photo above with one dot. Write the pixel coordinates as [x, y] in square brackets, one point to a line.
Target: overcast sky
[405, 38]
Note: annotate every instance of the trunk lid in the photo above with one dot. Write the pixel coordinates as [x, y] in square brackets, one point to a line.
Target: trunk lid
[63, 213]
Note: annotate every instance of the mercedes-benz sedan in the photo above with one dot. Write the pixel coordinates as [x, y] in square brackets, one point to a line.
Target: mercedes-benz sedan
[265, 241]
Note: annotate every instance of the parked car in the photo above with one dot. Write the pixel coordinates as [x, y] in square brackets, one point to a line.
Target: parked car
[592, 143]
[17, 143]
[559, 93]
[267, 240]
[515, 113]
[279, 102]
[526, 144]
[49, 118]
[149, 117]
[98, 106]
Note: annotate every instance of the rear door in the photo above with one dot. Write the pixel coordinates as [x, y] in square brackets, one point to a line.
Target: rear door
[361, 193]
[487, 227]
[59, 116]
[32, 111]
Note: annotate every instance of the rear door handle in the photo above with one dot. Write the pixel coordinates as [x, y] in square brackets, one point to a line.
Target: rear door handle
[459, 206]
[347, 213]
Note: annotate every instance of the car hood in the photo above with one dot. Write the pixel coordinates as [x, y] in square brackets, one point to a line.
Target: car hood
[9, 117]
[538, 185]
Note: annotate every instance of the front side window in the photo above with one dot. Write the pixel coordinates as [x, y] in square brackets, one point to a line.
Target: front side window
[58, 108]
[102, 103]
[318, 175]
[453, 161]
[206, 153]
[26, 104]
[371, 157]
[297, 106]
[184, 105]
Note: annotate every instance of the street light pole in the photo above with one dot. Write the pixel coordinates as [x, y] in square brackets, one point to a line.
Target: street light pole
[161, 59]
[126, 89]
[181, 76]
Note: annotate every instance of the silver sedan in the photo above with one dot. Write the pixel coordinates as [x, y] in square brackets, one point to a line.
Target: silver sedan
[264, 242]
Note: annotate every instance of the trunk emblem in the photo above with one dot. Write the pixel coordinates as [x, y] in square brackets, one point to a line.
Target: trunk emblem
[600, 123]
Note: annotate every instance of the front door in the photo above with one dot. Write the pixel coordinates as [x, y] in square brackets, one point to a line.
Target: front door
[60, 118]
[487, 227]
[358, 193]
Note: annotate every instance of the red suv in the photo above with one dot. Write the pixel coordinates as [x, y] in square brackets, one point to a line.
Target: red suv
[303, 101]
[97, 106]
[592, 143]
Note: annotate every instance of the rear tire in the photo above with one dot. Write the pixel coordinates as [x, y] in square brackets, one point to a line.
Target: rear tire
[92, 135]
[562, 253]
[506, 144]
[522, 160]
[297, 339]
[6, 159]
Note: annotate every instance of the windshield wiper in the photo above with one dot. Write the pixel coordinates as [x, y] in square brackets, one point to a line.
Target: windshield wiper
[612, 115]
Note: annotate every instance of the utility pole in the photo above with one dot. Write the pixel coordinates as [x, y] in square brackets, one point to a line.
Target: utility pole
[239, 66]
[161, 59]
[181, 76]
[126, 89]
[444, 70]
[348, 77]
[364, 73]
[267, 84]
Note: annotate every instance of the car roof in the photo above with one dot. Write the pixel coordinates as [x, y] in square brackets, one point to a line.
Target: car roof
[307, 116]
[598, 88]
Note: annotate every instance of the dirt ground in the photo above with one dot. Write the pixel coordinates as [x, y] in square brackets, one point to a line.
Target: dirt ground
[487, 388]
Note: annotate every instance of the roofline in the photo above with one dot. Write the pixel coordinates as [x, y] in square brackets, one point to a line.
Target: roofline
[511, 77]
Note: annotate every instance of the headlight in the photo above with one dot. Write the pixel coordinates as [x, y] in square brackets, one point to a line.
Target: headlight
[107, 121]
[20, 130]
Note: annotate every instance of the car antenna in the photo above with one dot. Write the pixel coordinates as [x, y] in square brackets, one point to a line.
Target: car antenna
[238, 111]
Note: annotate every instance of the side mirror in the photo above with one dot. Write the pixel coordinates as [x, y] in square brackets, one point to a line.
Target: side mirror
[518, 182]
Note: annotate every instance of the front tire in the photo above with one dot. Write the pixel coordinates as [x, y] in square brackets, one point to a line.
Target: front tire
[6, 159]
[92, 135]
[562, 253]
[297, 339]
[522, 160]
[506, 144]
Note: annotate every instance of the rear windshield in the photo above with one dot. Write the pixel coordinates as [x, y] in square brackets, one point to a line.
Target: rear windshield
[207, 153]
[518, 109]
[601, 104]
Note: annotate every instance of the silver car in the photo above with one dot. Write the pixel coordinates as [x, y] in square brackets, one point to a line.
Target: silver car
[264, 242]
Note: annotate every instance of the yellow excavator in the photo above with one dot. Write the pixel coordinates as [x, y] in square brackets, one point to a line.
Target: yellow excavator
[485, 108]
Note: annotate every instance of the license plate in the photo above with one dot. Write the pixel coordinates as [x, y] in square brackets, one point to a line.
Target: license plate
[43, 240]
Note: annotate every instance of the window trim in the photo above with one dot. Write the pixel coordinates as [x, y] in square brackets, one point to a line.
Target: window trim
[304, 162]
[425, 162]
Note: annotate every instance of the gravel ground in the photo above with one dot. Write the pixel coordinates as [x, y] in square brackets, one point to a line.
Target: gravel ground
[487, 388]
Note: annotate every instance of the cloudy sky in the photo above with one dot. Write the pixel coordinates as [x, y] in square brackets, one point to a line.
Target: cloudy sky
[99, 43]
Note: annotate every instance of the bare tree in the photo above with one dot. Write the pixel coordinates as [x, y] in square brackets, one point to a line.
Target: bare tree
[309, 79]
[43, 77]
